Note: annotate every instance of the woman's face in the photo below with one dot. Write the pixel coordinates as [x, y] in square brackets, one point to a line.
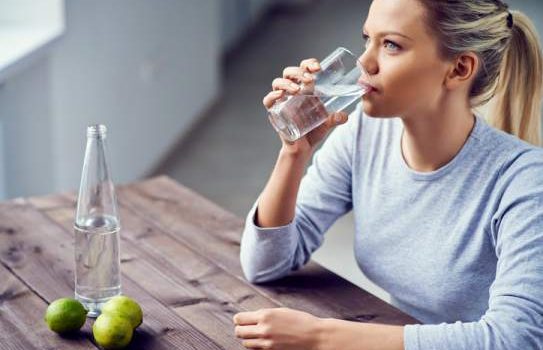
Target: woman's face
[402, 60]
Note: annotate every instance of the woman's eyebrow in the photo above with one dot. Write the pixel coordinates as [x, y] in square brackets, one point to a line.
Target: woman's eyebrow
[389, 33]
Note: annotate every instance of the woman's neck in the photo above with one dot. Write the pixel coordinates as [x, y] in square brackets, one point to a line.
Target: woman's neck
[433, 138]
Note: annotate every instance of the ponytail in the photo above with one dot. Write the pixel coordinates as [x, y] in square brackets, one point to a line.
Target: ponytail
[516, 105]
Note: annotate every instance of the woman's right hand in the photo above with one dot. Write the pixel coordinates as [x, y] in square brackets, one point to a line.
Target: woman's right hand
[290, 84]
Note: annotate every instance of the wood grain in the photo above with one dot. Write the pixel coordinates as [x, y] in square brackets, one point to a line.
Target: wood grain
[41, 253]
[21, 320]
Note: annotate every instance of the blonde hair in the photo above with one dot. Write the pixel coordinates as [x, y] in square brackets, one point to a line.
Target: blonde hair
[510, 74]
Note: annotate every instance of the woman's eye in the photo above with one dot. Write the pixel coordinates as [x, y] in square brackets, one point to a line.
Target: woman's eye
[366, 40]
[391, 45]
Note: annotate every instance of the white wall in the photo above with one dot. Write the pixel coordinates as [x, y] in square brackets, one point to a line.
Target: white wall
[43, 12]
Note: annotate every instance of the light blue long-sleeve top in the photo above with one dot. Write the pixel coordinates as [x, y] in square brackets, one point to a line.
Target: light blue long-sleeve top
[459, 248]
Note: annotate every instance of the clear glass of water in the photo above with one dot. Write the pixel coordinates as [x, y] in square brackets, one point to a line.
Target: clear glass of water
[335, 88]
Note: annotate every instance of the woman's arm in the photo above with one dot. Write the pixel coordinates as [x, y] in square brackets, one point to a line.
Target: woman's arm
[306, 207]
[347, 335]
[277, 202]
[286, 329]
[292, 213]
[278, 199]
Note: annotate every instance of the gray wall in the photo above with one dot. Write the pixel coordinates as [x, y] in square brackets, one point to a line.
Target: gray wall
[237, 16]
[25, 111]
[146, 69]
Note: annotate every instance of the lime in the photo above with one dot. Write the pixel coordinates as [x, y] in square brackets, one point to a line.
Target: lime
[125, 307]
[65, 315]
[112, 332]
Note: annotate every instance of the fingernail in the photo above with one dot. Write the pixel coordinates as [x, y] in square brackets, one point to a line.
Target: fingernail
[308, 76]
[278, 92]
[314, 65]
[294, 86]
[339, 118]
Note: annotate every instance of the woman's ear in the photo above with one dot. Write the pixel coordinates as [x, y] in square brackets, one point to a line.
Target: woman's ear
[463, 70]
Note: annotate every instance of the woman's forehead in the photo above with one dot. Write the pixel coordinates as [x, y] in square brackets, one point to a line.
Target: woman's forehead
[404, 16]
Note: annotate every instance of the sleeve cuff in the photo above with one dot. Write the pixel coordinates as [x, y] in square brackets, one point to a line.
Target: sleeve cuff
[251, 221]
[274, 238]
[267, 253]
[411, 337]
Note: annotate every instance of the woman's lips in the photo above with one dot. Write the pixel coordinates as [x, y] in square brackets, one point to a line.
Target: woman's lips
[367, 86]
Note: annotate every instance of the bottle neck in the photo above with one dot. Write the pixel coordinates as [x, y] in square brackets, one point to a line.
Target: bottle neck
[97, 201]
[97, 131]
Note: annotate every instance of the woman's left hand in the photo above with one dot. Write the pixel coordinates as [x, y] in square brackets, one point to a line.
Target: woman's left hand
[280, 328]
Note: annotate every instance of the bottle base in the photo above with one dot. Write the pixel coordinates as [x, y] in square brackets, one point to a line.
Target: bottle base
[94, 306]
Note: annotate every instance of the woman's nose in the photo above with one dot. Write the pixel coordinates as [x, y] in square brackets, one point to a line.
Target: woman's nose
[368, 63]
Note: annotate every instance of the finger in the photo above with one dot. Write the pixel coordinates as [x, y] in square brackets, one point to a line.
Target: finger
[310, 65]
[248, 332]
[334, 119]
[338, 118]
[246, 318]
[256, 344]
[271, 97]
[297, 74]
[285, 84]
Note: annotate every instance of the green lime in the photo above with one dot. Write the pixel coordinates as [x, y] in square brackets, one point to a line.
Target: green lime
[112, 332]
[125, 307]
[65, 315]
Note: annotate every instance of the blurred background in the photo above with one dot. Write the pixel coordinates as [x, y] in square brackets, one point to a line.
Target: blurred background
[179, 84]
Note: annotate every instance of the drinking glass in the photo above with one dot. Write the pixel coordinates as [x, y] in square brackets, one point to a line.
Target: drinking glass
[336, 86]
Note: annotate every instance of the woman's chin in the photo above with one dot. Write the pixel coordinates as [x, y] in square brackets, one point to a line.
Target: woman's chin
[372, 110]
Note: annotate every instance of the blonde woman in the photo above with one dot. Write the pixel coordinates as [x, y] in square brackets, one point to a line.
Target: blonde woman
[448, 207]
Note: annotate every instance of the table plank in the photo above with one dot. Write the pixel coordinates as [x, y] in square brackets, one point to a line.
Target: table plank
[40, 252]
[193, 220]
[21, 320]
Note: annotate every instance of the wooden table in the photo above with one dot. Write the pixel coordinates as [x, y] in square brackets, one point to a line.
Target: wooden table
[180, 261]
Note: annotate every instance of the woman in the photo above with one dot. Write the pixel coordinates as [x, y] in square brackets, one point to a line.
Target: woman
[448, 209]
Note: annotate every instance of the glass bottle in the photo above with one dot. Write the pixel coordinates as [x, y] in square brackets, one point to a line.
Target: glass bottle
[96, 228]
